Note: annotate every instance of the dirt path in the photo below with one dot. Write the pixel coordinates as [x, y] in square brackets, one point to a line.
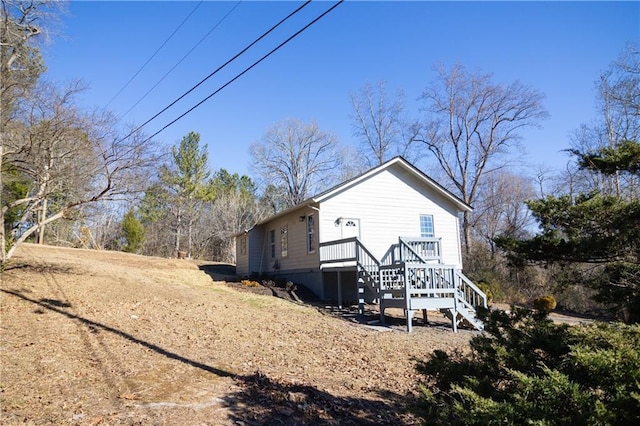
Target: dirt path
[90, 337]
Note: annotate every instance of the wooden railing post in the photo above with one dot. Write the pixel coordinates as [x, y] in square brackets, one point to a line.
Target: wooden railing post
[360, 297]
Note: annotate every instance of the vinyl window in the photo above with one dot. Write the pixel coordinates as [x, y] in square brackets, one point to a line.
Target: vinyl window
[426, 226]
[272, 242]
[311, 234]
[284, 240]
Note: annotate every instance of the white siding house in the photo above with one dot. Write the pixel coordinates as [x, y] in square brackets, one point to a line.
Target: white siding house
[313, 243]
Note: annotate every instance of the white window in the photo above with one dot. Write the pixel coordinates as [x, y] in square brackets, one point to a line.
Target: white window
[311, 234]
[426, 226]
[284, 240]
[272, 242]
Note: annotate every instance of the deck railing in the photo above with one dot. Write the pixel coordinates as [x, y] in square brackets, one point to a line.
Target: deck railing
[420, 250]
[344, 250]
[352, 250]
[392, 277]
[410, 271]
[425, 280]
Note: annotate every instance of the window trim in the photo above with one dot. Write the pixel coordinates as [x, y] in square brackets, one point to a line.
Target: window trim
[284, 240]
[311, 234]
[272, 243]
[433, 227]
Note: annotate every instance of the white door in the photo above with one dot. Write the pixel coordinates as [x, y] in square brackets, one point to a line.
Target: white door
[350, 228]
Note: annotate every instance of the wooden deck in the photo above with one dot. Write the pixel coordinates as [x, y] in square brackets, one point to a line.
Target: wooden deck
[411, 276]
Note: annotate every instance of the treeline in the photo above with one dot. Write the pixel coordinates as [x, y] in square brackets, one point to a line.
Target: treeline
[77, 177]
[188, 212]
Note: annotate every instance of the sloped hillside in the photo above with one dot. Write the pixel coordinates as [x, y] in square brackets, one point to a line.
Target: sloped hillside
[91, 337]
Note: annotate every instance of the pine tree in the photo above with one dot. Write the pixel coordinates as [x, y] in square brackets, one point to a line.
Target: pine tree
[595, 229]
[133, 232]
[187, 182]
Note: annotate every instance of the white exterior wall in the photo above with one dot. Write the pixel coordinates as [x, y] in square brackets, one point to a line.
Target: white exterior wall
[389, 205]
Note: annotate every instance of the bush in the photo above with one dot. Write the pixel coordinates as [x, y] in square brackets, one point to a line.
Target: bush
[545, 303]
[133, 232]
[250, 283]
[486, 289]
[527, 370]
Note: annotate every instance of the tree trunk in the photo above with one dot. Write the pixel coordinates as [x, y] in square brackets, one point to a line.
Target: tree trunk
[466, 230]
[179, 228]
[42, 218]
[189, 242]
[3, 249]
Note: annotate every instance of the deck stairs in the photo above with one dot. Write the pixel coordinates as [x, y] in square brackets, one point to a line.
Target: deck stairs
[411, 276]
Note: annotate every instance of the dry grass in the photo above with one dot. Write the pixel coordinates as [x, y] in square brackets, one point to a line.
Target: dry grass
[89, 337]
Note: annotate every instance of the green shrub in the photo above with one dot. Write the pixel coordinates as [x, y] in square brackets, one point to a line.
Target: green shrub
[545, 303]
[490, 283]
[486, 289]
[527, 370]
[133, 232]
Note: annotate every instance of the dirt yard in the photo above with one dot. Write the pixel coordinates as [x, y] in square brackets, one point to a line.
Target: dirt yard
[101, 338]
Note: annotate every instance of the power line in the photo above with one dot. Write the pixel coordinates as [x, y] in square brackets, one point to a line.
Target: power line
[183, 58]
[220, 68]
[245, 71]
[153, 56]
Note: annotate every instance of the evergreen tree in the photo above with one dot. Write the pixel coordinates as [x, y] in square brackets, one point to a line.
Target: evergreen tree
[592, 229]
[527, 370]
[186, 180]
[133, 232]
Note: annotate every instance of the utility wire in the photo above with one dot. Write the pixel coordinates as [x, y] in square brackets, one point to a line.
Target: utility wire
[245, 70]
[218, 69]
[152, 56]
[183, 58]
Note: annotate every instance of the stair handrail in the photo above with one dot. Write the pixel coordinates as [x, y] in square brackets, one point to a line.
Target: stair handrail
[391, 256]
[368, 263]
[403, 244]
[365, 250]
[477, 293]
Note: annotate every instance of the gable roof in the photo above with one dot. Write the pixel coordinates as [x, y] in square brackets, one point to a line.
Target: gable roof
[404, 164]
[394, 162]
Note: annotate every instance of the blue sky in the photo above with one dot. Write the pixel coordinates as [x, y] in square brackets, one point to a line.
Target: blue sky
[559, 48]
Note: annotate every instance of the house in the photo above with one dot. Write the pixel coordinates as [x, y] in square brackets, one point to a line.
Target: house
[390, 235]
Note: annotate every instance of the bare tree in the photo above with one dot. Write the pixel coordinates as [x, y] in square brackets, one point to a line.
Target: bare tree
[21, 25]
[501, 208]
[471, 123]
[618, 120]
[231, 213]
[379, 123]
[351, 164]
[298, 157]
[66, 158]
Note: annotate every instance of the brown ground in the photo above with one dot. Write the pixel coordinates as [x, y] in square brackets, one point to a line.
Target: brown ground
[91, 337]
